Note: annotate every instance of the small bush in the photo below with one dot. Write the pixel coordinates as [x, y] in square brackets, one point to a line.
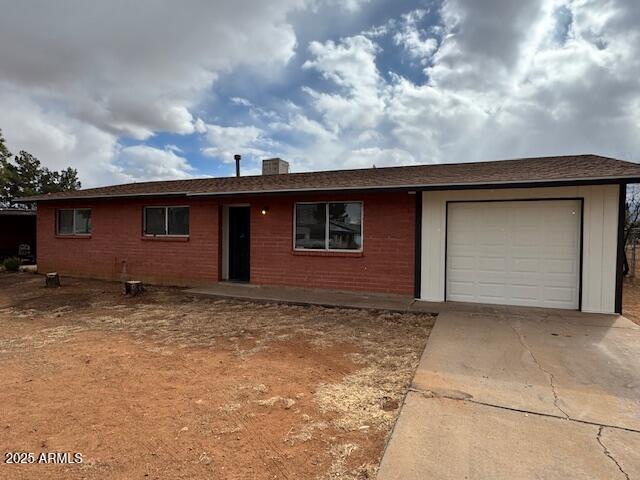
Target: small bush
[11, 264]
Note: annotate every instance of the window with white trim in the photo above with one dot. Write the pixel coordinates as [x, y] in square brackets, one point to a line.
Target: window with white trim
[165, 221]
[73, 221]
[328, 226]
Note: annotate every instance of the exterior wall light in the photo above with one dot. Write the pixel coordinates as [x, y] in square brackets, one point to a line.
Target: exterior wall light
[264, 211]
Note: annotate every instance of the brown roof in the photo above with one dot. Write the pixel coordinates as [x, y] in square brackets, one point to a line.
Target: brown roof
[575, 168]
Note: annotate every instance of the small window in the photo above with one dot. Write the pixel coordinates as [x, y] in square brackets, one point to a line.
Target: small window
[155, 223]
[82, 218]
[74, 221]
[328, 226]
[311, 226]
[65, 222]
[345, 226]
[166, 221]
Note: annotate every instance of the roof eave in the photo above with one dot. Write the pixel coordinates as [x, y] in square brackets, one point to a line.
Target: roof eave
[43, 198]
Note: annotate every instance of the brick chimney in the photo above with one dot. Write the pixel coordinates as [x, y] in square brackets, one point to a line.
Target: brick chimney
[274, 166]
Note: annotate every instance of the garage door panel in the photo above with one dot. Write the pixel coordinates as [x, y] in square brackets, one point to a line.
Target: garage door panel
[559, 266]
[490, 290]
[461, 224]
[558, 294]
[463, 263]
[560, 238]
[524, 265]
[462, 289]
[530, 239]
[492, 238]
[492, 217]
[491, 264]
[525, 291]
[516, 253]
[465, 239]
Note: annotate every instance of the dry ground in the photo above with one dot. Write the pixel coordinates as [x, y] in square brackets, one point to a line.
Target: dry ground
[631, 299]
[169, 385]
[631, 291]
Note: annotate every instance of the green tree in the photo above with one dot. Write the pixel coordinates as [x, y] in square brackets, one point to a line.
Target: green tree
[4, 151]
[24, 175]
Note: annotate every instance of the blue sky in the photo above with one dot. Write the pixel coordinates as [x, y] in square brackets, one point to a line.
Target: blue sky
[166, 91]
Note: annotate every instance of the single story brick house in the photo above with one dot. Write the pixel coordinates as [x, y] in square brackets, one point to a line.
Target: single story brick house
[537, 231]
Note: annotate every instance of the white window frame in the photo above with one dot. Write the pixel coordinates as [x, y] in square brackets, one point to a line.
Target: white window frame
[166, 221]
[73, 233]
[326, 230]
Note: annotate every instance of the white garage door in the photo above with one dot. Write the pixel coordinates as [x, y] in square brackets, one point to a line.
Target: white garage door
[514, 253]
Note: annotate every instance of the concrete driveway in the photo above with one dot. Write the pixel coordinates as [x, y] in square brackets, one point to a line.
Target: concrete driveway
[514, 393]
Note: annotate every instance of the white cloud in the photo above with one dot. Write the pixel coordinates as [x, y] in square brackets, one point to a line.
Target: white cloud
[225, 142]
[57, 139]
[142, 162]
[135, 71]
[540, 97]
[111, 69]
[559, 77]
[350, 64]
[416, 41]
[379, 157]
[350, 6]
[299, 124]
[241, 101]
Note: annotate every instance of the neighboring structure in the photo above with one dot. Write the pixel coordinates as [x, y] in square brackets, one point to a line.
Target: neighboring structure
[18, 233]
[538, 231]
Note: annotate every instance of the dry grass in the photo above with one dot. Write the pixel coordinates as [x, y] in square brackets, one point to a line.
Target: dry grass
[308, 379]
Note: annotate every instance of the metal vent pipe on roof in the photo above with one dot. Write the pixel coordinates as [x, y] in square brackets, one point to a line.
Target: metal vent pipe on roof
[237, 158]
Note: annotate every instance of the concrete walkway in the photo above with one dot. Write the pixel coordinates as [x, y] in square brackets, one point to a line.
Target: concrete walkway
[341, 298]
[308, 296]
[522, 394]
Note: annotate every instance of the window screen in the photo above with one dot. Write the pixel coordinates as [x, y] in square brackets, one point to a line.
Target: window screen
[65, 222]
[311, 221]
[83, 221]
[345, 226]
[154, 221]
[178, 223]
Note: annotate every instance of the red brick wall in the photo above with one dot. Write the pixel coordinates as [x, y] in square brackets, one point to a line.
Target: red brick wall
[117, 243]
[385, 265]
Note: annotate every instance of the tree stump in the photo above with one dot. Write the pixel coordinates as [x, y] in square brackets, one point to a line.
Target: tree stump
[52, 280]
[133, 287]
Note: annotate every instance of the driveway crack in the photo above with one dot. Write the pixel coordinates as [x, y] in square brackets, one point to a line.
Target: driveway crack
[541, 368]
[608, 453]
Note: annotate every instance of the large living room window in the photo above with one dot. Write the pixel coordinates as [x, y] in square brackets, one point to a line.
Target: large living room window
[165, 221]
[74, 221]
[328, 226]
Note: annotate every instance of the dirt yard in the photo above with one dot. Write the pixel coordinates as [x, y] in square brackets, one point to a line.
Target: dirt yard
[631, 299]
[169, 385]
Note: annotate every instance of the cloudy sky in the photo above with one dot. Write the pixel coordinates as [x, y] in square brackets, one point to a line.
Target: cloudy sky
[130, 91]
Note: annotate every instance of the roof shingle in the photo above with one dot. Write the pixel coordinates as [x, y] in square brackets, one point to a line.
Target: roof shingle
[574, 168]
